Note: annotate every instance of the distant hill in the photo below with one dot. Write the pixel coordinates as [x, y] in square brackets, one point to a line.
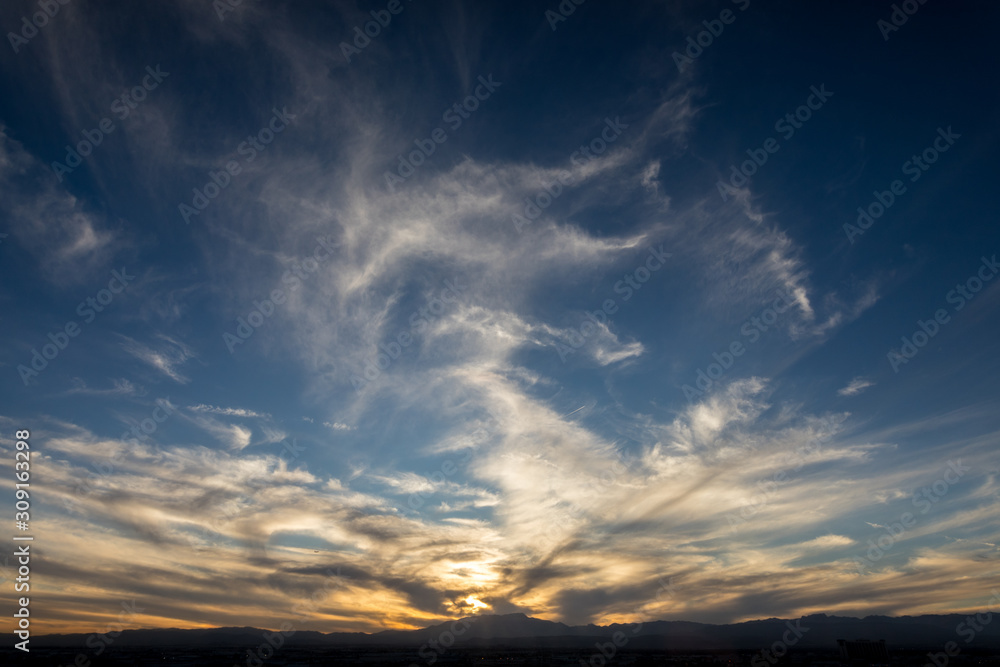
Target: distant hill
[816, 631]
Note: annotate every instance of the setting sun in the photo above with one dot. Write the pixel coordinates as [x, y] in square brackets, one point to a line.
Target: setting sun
[475, 603]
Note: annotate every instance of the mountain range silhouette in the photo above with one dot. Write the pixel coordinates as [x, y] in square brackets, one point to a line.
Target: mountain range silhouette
[814, 631]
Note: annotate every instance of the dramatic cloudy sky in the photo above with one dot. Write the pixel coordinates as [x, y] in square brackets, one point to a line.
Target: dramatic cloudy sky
[514, 453]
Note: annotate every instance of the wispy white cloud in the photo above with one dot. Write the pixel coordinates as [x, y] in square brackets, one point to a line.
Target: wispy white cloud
[166, 358]
[71, 243]
[229, 412]
[542, 505]
[120, 387]
[339, 426]
[234, 436]
[855, 387]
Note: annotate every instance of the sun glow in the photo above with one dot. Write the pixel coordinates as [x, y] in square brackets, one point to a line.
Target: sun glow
[475, 603]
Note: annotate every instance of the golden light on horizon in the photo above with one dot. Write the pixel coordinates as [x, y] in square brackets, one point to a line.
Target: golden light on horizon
[476, 603]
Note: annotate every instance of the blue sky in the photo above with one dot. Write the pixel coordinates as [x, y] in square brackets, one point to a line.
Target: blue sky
[561, 355]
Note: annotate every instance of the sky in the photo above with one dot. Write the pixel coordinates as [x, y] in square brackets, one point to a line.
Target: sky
[370, 315]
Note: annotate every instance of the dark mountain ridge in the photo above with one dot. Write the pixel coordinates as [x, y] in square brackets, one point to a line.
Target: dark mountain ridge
[815, 631]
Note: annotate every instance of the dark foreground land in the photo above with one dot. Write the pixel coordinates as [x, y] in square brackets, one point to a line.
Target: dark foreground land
[395, 656]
